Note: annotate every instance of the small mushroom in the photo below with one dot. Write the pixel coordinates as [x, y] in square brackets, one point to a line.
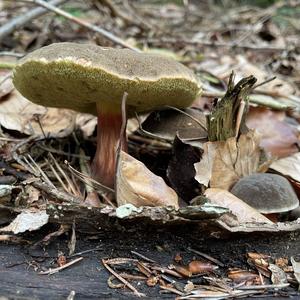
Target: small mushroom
[268, 193]
[89, 78]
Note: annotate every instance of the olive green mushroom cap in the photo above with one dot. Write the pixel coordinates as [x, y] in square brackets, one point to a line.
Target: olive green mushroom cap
[78, 76]
[268, 193]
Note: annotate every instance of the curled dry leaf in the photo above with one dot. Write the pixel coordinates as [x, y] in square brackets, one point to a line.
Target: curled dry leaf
[224, 163]
[239, 275]
[17, 113]
[198, 267]
[243, 212]
[277, 136]
[137, 185]
[27, 221]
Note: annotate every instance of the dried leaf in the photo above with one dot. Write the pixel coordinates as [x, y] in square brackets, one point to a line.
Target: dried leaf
[224, 163]
[239, 275]
[288, 166]
[182, 270]
[277, 136]
[17, 113]
[243, 212]
[277, 275]
[137, 185]
[33, 194]
[27, 221]
[181, 173]
[198, 267]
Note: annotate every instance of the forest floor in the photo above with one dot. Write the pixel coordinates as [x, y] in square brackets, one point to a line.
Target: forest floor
[92, 253]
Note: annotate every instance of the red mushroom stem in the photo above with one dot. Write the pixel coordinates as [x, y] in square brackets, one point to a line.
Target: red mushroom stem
[108, 136]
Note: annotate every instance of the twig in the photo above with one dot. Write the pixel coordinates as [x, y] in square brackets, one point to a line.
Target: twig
[265, 286]
[87, 179]
[264, 82]
[116, 12]
[21, 20]
[86, 251]
[171, 289]
[214, 260]
[56, 270]
[188, 115]
[143, 256]
[54, 193]
[135, 291]
[213, 44]
[9, 53]
[83, 23]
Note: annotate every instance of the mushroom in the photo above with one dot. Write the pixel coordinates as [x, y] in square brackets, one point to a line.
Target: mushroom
[268, 193]
[92, 79]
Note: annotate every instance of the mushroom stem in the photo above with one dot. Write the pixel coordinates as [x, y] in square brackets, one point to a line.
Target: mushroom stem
[108, 135]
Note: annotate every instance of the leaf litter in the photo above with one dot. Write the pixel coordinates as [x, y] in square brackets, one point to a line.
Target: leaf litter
[65, 134]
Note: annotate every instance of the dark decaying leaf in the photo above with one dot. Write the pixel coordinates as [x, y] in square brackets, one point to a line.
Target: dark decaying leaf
[181, 171]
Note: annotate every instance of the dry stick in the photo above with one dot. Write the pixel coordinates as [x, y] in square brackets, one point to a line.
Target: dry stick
[83, 23]
[212, 259]
[55, 270]
[212, 44]
[19, 21]
[9, 53]
[135, 291]
[53, 192]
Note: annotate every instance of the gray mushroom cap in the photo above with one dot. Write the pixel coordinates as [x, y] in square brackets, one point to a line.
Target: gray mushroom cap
[268, 193]
[79, 76]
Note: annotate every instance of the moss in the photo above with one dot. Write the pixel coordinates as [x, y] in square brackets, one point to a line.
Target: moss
[57, 78]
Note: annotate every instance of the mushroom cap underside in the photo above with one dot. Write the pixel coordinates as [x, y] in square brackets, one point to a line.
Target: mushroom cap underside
[268, 193]
[78, 76]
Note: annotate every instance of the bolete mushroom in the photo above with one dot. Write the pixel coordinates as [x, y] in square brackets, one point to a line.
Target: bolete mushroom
[89, 78]
[268, 193]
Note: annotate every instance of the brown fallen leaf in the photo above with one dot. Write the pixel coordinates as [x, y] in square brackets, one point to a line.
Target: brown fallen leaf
[182, 270]
[17, 113]
[288, 166]
[277, 136]
[198, 267]
[137, 185]
[243, 212]
[224, 163]
[239, 275]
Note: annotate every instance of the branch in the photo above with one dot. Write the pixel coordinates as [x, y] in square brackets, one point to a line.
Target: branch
[83, 23]
[21, 20]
